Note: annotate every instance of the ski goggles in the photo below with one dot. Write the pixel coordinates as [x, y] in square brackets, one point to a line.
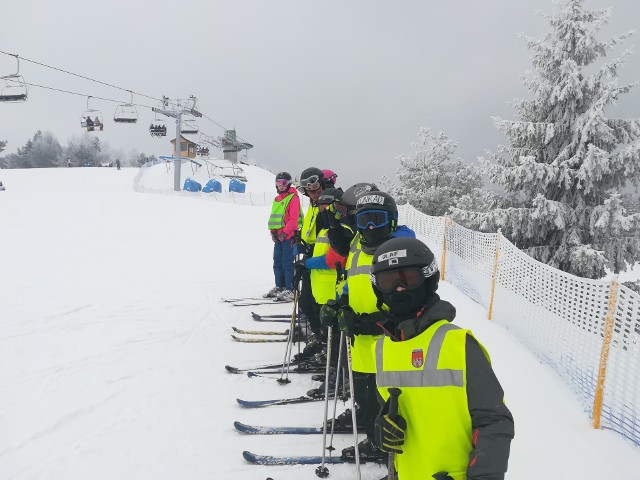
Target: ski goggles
[374, 218]
[409, 278]
[311, 183]
[283, 182]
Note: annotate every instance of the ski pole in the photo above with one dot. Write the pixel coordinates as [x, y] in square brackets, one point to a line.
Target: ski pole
[322, 471]
[356, 450]
[394, 393]
[339, 378]
[287, 352]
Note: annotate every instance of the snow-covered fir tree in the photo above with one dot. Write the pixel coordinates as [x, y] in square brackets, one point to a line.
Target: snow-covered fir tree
[567, 160]
[429, 179]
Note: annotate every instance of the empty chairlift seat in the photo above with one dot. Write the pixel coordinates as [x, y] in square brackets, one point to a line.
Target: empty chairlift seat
[236, 185]
[212, 185]
[191, 185]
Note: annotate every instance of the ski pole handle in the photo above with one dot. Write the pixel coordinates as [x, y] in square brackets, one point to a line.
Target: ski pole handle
[394, 393]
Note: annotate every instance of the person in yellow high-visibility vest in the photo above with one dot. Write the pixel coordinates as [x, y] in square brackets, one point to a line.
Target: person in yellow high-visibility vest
[357, 314]
[449, 421]
[285, 220]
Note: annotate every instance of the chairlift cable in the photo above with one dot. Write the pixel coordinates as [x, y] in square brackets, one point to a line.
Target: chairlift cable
[164, 99]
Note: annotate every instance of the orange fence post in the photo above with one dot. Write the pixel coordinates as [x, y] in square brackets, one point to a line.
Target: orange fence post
[604, 354]
[494, 276]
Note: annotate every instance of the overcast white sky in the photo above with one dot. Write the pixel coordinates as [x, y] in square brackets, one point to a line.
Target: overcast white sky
[334, 84]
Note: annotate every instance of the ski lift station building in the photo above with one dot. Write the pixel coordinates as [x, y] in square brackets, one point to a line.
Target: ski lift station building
[187, 147]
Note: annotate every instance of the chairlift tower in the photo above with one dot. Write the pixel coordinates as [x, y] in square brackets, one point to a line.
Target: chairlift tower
[179, 108]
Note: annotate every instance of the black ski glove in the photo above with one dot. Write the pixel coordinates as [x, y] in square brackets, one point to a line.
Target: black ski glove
[346, 318]
[329, 314]
[389, 434]
[298, 269]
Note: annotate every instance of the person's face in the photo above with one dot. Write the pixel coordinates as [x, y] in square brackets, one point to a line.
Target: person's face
[282, 185]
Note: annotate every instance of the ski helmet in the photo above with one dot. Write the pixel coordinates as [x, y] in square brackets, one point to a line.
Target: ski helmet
[329, 196]
[351, 194]
[376, 219]
[409, 263]
[284, 176]
[329, 178]
[310, 176]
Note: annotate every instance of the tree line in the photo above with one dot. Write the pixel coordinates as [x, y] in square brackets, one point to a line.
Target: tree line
[44, 151]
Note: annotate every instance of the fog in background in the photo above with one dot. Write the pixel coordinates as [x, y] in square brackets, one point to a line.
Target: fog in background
[335, 84]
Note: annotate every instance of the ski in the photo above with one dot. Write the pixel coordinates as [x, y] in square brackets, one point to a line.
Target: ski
[256, 430]
[271, 318]
[251, 303]
[231, 369]
[258, 340]
[299, 369]
[281, 401]
[258, 332]
[244, 299]
[277, 315]
[274, 460]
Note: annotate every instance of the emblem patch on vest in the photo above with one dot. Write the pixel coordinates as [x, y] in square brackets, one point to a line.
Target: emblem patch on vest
[417, 358]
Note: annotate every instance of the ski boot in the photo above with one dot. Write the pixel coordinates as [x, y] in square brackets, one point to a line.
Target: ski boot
[369, 452]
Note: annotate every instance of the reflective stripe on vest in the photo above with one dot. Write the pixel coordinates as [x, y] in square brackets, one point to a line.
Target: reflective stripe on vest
[429, 376]
[430, 370]
[323, 282]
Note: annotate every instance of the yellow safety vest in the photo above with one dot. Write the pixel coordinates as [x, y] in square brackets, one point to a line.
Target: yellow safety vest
[278, 209]
[430, 370]
[362, 299]
[308, 232]
[323, 282]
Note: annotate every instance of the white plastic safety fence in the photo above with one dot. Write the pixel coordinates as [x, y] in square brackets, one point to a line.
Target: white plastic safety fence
[588, 331]
[246, 198]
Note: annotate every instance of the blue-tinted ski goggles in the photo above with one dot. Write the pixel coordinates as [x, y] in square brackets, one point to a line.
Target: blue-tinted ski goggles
[375, 218]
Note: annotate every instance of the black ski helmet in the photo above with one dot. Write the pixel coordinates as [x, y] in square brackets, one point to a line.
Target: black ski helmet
[351, 194]
[308, 174]
[329, 196]
[398, 254]
[284, 176]
[373, 238]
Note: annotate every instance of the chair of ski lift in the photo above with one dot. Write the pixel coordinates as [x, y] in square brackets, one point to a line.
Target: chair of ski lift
[13, 88]
[158, 128]
[126, 113]
[189, 126]
[91, 119]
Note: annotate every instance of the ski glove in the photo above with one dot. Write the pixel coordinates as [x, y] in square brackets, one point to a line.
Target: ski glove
[282, 236]
[346, 317]
[329, 314]
[298, 270]
[390, 434]
[274, 235]
[442, 476]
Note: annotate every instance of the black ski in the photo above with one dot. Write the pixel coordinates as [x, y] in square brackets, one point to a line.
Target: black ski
[271, 318]
[276, 315]
[258, 340]
[281, 401]
[231, 369]
[257, 430]
[295, 460]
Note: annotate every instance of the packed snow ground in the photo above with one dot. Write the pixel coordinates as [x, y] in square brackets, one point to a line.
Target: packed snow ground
[113, 341]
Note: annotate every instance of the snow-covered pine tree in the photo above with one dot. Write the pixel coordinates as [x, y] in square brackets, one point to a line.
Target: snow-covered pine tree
[429, 180]
[566, 160]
